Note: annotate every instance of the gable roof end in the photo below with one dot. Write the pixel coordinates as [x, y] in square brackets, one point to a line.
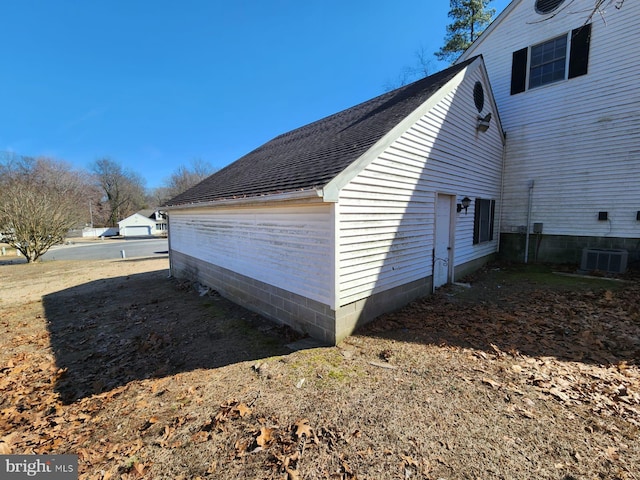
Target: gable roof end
[308, 158]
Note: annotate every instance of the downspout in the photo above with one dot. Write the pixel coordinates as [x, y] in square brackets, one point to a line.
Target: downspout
[433, 268]
[171, 272]
[504, 160]
[526, 243]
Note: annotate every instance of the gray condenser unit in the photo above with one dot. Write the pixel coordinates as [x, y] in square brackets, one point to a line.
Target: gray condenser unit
[604, 260]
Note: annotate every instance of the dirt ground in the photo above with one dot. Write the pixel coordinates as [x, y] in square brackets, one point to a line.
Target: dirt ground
[519, 373]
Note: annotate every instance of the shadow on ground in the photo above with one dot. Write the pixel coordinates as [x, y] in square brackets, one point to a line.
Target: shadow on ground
[109, 332]
[531, 310]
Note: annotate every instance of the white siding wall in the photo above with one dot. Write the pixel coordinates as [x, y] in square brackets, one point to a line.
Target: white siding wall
[386, 213]
[578, 139]
[289, 247]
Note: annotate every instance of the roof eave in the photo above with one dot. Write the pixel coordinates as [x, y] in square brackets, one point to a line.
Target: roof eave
[305, 196]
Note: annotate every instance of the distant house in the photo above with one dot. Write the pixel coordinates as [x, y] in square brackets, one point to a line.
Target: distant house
[144, 223]
[330, 225]
[567, 89]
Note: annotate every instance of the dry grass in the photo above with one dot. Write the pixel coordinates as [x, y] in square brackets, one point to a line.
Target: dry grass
[524, 375]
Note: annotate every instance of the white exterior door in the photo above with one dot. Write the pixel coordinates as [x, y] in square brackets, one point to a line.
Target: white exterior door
[442, 255]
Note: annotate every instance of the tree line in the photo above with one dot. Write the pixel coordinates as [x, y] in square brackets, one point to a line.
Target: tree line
[41, 198]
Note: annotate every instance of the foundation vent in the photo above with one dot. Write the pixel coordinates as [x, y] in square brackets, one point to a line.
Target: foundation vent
[604, 260]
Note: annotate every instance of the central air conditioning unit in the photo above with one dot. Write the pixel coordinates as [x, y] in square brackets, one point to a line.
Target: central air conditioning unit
[604, 260]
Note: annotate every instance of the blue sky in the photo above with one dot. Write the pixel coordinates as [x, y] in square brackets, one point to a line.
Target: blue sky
[155, 84]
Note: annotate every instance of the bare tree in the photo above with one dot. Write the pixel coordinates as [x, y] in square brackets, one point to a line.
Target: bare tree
[183, 178]
[158, 196]
[123, 190]
[421, 68]
[40, 201]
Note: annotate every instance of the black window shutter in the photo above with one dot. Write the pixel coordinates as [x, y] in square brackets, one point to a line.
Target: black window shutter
[491, 218]
[519, 71]
[476, 222]
[579, 54]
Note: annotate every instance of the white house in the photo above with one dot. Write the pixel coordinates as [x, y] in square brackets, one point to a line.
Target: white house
[330, 225]
[144, 223]
[566, 85]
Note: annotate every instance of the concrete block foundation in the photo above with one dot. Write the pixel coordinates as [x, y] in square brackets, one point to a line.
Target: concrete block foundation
[303, 314]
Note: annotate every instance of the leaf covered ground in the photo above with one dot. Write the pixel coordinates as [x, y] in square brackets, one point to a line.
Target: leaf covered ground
[522, 373]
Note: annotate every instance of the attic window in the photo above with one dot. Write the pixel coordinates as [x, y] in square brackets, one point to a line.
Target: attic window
[547, 6]
[478, 96]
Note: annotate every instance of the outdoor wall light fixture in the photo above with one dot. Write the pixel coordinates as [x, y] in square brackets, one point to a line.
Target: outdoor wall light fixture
[464, 203]
[484, 123]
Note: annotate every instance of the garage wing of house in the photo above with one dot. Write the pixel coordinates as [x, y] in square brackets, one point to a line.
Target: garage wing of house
[326, 227]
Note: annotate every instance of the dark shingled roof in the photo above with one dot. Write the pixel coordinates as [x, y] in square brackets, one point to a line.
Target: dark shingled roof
[311, 156]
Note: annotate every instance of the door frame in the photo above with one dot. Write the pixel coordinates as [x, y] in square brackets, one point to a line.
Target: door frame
[450, 235]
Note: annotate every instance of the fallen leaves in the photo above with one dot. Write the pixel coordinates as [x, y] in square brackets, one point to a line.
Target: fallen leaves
[606, 389]
[612, 453]
[6, 445]
[490, 382]
[521, 411]
[302, 428]
[559, 394]
[577, 347]
[34, 420]
[284, 446]
[265, 437]
[529, 362]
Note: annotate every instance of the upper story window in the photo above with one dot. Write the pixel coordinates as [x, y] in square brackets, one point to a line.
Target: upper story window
[548, 62]
[561, 58]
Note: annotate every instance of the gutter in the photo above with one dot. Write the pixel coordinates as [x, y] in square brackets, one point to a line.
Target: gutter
[311, 195]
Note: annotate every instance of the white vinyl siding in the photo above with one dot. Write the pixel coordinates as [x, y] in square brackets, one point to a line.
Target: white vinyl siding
[288, 247]
[383, 234]
[387, 212]
[579, 139]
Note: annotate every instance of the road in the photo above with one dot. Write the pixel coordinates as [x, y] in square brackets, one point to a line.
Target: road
[109, 249]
